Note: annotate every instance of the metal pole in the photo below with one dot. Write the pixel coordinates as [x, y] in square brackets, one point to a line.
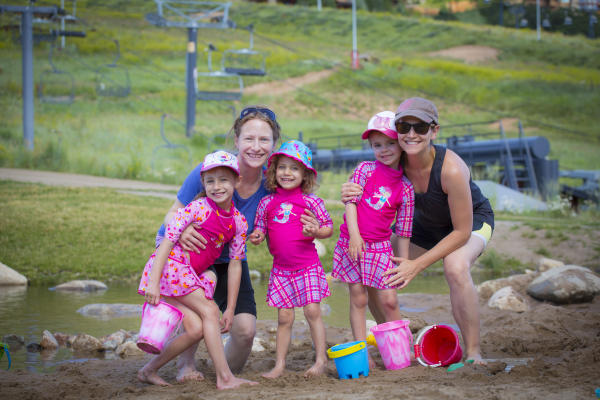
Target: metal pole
[354, 41]
[62, 25]
[319, 5]
[501, 14]
[27, 72]
[190, 59]
[537, 19]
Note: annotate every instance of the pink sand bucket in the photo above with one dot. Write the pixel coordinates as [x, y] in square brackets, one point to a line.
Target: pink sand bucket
[437, 346]
[158, 322]
[393, 341]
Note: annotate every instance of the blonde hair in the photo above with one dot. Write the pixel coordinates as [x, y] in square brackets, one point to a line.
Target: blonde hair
[236, 129]
[309, 178]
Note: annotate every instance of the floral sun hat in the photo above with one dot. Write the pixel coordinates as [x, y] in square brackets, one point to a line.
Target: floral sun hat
[296, 150]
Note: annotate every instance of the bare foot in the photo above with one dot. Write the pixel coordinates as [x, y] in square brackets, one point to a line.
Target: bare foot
[317, 369]
[476, 359]
[276, 372]
[233, 383]
[151, 378]
[189, 375]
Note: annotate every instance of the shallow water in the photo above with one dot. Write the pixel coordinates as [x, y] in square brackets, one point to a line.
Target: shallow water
[28, 311]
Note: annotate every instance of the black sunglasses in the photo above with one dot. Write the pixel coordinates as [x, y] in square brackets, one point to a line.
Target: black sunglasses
[420, 128]
[249, 110]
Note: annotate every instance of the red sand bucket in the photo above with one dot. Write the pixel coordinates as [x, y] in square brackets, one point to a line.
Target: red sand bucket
[158, 322]
[393, 341]
[437, 346]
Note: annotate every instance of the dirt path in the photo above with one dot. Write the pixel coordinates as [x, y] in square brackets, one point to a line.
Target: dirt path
[280, 87]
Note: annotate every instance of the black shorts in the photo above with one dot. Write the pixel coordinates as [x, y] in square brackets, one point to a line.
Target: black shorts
[245, 301]
[428, 237]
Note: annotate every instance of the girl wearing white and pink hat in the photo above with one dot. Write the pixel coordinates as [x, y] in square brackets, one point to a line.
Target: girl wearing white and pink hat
[187, 281]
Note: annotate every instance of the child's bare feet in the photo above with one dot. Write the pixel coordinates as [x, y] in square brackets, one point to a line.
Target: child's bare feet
[151, 377]
[276, 372]
[317, 369]
[233, 382]
[188, 374]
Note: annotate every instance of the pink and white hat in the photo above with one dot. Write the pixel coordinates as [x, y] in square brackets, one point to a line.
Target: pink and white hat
[220, 159]
[382, 122]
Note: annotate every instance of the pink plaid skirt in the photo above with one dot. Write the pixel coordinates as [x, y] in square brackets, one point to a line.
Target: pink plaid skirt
[369, 269]
[289, 289]
[179, 279]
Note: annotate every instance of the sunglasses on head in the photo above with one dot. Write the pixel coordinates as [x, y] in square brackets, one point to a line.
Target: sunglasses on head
[249, 110]
[420, 128]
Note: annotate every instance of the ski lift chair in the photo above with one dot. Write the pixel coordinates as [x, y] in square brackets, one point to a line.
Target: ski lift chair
[546, 22]
[568, 19]
[524, 22]
[113, 80]
[168, 145]
[244, 61]
[56, 86]
[218, 85]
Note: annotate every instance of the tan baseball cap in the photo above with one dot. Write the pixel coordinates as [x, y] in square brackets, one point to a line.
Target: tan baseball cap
[417, 107]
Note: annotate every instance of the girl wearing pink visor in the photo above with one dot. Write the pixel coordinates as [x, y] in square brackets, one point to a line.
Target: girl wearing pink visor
[364, 250]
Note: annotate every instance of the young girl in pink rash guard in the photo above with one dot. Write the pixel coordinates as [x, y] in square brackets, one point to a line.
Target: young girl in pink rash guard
[364, 250]
[297, 278]
[184, 279]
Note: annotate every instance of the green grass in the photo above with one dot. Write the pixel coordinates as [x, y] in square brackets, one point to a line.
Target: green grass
[55, 234]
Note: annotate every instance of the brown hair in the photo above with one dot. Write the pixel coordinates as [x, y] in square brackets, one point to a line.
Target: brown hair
[309, 180]
[239, 122]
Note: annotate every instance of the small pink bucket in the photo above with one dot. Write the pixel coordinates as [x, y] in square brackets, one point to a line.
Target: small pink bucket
[158, 322]
[437, 346]
[393, 341]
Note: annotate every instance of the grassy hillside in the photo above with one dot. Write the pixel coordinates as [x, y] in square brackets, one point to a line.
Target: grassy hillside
[552, 85]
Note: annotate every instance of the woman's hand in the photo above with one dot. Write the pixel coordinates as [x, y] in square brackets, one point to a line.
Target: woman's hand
[356, 247]
[310, 224]
[401, 275]
[350, 191]
[227, 320]
[192, 240]
[256, 237]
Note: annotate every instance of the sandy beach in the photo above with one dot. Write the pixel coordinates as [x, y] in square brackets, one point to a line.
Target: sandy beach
[548, 352]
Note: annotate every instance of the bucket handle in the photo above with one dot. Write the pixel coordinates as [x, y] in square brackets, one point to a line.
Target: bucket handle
[348, 350]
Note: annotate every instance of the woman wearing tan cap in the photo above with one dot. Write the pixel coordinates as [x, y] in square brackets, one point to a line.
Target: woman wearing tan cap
[444, 227]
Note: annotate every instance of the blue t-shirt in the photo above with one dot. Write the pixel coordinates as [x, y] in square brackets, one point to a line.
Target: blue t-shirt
[193, 185]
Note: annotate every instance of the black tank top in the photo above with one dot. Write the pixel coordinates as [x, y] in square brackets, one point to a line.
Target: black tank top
[432, 211]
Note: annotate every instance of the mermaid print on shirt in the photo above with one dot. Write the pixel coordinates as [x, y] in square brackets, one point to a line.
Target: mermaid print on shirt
[382, 195]
[285, 209]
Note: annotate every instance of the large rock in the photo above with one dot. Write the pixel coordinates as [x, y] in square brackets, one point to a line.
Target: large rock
[48, 340]
[10, 277]
[566, 284]
[88, 343]
[114, 340]
[517, 282]
[81, 285]
[108, 311]
[508, 299]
